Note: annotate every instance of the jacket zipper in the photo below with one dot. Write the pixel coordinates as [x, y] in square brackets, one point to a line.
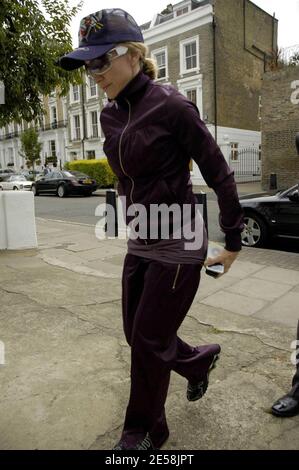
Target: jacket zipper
[176, 277]
[120, 158]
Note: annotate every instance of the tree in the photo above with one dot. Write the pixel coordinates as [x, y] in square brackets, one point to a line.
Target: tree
[30, 147]
[33, 35]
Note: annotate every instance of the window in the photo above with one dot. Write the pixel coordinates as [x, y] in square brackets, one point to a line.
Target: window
[75, 93]
[161, 62]
[54, 175]
[10, 155]
[91, 154]
[54, 117]
[52, 148]
[234, 151]
[77, 134]
[182, 11]
[192, 95]
[92, 87]
[94, 124]
[190, 56]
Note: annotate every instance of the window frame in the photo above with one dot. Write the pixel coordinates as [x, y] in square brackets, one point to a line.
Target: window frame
[182, 11]
[50, 147]
[185, 42]
[156, 52]
[73, 99]
[93, 124]
[76, 133]
[90, 87]
[234, 150]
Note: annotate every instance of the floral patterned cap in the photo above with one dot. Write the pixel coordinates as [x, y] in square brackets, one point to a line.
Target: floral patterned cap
[98, 33]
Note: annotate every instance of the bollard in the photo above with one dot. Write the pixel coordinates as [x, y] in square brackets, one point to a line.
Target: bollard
[17, 220]
[111, 226]
[273, 181]
[202, 200]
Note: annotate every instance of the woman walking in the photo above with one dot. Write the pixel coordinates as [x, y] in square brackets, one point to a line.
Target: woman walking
[151, 133]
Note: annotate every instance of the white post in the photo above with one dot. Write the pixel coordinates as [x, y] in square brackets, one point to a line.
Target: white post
[17, 228]
[226, 148]
[2, 353]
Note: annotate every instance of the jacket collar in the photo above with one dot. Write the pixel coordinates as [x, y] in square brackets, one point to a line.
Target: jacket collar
[132, 88]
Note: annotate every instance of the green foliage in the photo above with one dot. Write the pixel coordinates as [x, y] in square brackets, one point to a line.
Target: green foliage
[30, 147]
[100, 170]
[33, 35]
[51, 159]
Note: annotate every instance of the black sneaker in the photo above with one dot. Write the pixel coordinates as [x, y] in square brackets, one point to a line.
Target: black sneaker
[197, 391]
[144, 444]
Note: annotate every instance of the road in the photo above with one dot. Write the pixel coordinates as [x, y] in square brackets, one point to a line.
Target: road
[82, 210]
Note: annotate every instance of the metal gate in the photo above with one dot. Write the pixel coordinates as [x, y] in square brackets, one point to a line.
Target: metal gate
[246, 164]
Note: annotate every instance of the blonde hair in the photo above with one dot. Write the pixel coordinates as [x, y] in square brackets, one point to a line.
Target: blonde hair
[148, 66]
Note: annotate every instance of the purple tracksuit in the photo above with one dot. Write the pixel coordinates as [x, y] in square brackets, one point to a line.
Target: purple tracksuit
[151, 133]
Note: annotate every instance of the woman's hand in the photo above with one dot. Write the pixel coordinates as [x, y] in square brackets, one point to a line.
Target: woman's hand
[225, 257]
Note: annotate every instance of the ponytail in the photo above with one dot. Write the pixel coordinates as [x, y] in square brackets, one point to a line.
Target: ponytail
[148, 66]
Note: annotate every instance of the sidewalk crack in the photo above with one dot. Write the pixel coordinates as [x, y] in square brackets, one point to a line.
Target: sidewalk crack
[238, 332]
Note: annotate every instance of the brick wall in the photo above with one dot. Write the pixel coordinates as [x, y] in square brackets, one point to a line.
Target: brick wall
[280, 123]
[205, 35]
[241, 29]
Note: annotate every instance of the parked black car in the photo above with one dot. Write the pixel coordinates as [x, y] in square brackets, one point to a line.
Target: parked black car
[269, 216]
[63, 183]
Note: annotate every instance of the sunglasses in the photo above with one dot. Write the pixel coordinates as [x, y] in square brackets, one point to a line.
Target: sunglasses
[102, 64]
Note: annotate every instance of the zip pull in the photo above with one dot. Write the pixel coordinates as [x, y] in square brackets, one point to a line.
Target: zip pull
[176, 277]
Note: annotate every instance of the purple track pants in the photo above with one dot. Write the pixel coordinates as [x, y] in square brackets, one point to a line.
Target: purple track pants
[156, 298]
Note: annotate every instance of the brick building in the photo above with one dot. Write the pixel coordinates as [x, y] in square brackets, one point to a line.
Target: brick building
[280, 123]
[213, 51]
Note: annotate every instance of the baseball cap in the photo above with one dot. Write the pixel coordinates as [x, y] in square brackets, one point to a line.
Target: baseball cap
[99, 32]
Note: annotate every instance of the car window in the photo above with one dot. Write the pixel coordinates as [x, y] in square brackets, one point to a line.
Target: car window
[68, 174]
[17, 178]
[76, 174]
[56, 175]
[291, 191]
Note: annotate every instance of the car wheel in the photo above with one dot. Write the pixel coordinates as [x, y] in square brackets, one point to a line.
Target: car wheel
[61, 192]
[1, 189]
[34, 190]
[15, 188]
[255, 232]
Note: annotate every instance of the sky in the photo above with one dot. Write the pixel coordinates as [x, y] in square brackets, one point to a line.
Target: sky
[286, 11]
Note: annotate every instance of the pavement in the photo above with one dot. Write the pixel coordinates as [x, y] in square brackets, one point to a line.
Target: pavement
[65, 380]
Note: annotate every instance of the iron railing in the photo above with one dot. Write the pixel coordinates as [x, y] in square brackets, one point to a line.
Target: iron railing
[247, 165]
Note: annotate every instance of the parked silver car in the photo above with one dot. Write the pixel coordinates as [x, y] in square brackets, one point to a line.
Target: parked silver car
[16, 183]
[6, 172]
